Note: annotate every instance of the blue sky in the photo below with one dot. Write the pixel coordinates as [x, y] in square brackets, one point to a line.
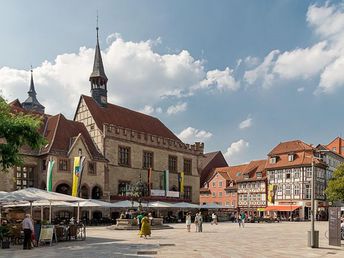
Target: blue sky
[241, 76]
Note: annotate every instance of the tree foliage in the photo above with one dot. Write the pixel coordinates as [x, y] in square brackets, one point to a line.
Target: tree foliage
[18, 130]
[335, 187]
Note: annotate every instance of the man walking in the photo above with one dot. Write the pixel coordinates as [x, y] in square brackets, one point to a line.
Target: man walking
[200, 222]
[28, 231]
[139, 219]
[243, 217]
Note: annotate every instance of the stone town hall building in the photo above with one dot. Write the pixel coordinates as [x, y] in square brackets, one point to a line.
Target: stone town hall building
[120, 146]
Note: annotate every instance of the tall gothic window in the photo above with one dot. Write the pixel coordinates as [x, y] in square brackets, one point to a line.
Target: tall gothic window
[92, 168]
[147, 159]
[187, 166]
[124, 156]
[188, 192]
[172, 164]
[63, 164]
[24, 177]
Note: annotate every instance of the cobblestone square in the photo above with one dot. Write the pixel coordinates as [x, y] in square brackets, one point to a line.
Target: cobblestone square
[222, 240]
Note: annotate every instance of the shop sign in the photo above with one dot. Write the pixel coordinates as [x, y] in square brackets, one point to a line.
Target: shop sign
[157, 192]
[174, 194]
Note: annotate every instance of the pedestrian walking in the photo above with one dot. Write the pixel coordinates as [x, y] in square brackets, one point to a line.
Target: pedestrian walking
[196, 223]
[213, 219]
[200, 222]
[139, 219]
[28, 231]
[188, 221]
[145, 227]
[243, 217]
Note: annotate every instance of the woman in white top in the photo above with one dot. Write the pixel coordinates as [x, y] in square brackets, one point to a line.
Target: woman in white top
[188, 221]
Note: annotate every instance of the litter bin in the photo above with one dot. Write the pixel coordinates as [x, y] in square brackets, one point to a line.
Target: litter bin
[316, 239]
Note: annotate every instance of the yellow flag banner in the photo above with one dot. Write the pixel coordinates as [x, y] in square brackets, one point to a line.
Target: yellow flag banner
[271, 193]
[76, 174]
[182, 182]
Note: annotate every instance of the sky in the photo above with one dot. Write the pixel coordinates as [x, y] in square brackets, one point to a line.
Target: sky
[240, 76]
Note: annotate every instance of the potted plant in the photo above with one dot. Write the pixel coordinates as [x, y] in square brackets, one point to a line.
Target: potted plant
[5, 236]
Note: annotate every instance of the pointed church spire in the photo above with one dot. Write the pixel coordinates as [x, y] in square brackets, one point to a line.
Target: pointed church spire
[98, 77]
[31, 103]
[32, 91]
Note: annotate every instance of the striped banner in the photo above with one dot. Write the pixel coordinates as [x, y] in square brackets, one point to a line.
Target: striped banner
[181, 187]
[50, 175]
[166, 181]
[76, 173]
[149, 180]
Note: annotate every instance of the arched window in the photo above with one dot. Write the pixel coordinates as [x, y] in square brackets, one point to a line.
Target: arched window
[84, 192]
[97, 192]
[64, 189]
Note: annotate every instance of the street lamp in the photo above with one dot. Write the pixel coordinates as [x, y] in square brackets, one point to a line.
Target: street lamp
[312, 243]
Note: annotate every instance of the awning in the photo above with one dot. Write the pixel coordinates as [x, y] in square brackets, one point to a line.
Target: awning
[282, 208]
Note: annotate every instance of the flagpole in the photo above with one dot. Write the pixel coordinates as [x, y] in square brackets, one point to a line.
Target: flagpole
[82, 160]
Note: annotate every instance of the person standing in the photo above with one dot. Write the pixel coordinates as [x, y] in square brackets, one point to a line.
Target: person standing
[196, 223]
[28, 231]
[214, 219]
[200, 222]
[145, 227]
[243, 217]
[139, 219]
[188, 221]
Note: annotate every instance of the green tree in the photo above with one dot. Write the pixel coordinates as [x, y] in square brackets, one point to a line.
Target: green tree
[18, 130]
[335, 187]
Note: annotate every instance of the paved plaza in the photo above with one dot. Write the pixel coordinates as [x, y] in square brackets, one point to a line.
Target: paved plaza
[224, 240]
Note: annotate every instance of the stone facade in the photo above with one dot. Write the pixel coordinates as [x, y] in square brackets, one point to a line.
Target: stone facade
[109, 138]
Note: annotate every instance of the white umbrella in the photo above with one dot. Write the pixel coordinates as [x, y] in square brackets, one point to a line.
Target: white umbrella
[124, 204]
[93, 203]
[50, 196]
[184, 205]
[159, 204]
[39, 203]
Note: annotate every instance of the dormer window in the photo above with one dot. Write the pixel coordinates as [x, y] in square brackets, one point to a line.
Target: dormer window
[246, 176]
[259, 174]
[291, 157]
[238, 174]
[273, 160]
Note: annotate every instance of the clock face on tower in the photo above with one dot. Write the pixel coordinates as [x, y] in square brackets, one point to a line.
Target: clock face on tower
[103, 99]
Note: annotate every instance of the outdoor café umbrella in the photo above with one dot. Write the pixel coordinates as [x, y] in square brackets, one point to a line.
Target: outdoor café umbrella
[40, 194]
[159, 204]
[124, 204]
[185, 205]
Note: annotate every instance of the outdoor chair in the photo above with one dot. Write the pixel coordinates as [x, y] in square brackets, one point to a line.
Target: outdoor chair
[73, 232]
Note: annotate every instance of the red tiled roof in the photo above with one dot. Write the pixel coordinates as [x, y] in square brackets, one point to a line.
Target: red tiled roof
[60, 133]
[208, 163]
[234, 172]
[337, 143]
[303, 154]
[289, 147]
[123, 117]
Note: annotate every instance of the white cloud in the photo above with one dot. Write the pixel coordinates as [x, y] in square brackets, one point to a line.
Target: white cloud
[222, 80]
[322, 60]
[148, 110]
[191, 135]
[303, 63]
[234, 153]
[137, 76]
[263, 71]
[251, 61]
[180, 107]
[301, 89]
[247, 123]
